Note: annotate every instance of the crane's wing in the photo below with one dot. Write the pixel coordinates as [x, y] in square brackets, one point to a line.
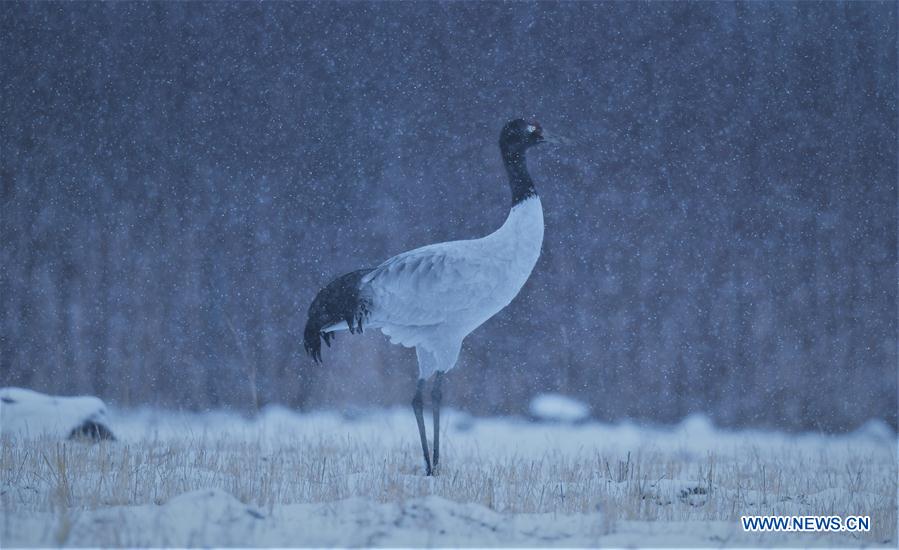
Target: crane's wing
[428, 285]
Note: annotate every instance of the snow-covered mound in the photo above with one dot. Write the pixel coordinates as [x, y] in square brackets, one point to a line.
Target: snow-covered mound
[555, 407]
[213, 517]
[876, 429]
[29, 413]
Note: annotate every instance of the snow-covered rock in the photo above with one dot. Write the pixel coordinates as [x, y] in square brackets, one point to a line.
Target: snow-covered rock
[556, 407]
[32, 414]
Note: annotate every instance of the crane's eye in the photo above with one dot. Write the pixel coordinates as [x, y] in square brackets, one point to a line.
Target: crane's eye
[531, 128]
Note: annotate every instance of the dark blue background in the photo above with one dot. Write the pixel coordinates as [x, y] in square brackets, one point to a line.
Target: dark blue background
[179, 179]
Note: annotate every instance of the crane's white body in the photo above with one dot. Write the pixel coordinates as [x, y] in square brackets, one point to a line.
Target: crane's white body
[432, 297]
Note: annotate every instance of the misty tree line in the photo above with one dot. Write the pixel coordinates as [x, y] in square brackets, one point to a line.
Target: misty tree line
[178, 180]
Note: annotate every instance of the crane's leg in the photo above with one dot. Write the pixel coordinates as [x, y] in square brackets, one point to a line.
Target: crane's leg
[418, 406]
[436, 398]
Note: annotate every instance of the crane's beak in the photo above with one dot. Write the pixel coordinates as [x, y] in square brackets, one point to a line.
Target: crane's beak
[555, 139]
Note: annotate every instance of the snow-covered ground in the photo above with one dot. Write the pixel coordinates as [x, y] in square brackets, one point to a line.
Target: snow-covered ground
[326, 478]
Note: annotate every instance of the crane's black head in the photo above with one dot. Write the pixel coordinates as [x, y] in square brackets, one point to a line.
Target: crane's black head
[518, 135]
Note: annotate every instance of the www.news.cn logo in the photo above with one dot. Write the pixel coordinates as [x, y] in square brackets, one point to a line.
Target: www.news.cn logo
[805, 523]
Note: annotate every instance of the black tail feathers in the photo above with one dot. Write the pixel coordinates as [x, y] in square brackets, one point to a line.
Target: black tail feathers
[340, 300]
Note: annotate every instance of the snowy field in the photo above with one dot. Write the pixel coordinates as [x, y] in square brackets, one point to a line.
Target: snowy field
[354, 479]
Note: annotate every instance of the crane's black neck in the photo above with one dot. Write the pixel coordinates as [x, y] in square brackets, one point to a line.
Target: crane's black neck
[519, 179]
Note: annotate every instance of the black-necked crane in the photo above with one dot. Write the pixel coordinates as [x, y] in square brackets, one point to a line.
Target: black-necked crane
[432, 297]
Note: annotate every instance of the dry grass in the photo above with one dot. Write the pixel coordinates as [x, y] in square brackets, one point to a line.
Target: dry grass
[645, 483]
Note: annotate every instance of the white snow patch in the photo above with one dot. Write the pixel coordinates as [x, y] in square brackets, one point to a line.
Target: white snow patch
[556, 407]
[876, 429]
